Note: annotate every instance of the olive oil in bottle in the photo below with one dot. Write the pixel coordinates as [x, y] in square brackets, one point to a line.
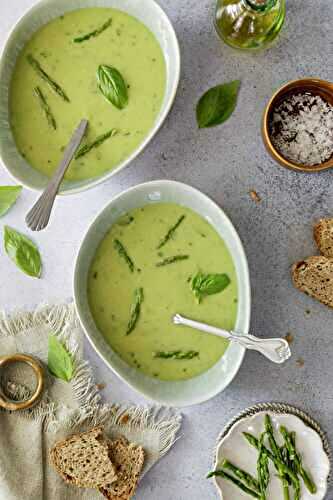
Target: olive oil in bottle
[249, 24]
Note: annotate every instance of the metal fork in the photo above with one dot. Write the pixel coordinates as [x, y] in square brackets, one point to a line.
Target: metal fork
[276, 350]
[39, 216]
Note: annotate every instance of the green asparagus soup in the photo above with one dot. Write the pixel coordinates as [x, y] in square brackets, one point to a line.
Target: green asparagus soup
[55, 85]
[156, 261]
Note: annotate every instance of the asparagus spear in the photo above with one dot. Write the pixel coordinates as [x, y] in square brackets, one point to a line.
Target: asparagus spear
[135, 310]
[94, 33]
[176, 354]
[123, 253]
[45, 107]
[235, 481]
[171, 232]
[262, 468]
[54, 85]
[242, 475]
[276, 461]
[285, 458]
[97, 142]
[297, 459]
[297, 486]
[171, 260]
[277, 452]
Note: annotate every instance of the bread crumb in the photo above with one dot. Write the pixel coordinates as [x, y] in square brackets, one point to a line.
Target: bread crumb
[300, 362]
[254, 196]
[100, 386]
[124, 419]
[289, 338]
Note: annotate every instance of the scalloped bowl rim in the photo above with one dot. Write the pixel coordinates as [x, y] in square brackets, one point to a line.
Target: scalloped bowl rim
[283, 416]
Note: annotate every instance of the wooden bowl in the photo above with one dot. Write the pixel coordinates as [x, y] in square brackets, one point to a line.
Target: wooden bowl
[318, 87]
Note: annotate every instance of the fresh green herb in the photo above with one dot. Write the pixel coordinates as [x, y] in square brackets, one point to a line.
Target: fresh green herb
[94, 33]
[123, 254]
[171, 260]
[176, 354]
[217, 104]
[171, 232]
[8, 196]
[125, 220]
[59, 362]
[112, 85]
[242, 475]
[45, 107]
[296, 459]
[97, 142]
[23, 252]
[39, 70]
[235, 481]
[208, 284]
[135, 310]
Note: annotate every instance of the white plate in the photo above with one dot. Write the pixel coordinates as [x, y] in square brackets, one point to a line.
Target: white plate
[217, 378]
[148, 12]
[235, 448]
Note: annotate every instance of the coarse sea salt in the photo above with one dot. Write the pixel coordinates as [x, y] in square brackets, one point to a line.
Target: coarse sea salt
[302, 129]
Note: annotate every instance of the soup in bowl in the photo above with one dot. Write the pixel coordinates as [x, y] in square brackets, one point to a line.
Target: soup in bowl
[155, 250]
[111, 62]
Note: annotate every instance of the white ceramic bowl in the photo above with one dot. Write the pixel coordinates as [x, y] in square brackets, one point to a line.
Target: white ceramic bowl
[207, 385]
[147, 11]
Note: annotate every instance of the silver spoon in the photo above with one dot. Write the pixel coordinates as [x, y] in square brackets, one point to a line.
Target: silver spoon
[39, 216]
[276, 350]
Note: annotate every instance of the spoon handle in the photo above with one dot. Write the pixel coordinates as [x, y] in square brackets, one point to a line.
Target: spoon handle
[39, 216]
[276, 350]
[180, 320]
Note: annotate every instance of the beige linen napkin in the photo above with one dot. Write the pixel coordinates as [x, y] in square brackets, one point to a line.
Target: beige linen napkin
[26, 437]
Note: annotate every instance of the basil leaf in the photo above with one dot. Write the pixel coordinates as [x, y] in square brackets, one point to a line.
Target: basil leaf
[112, 86]
[208, 284]
[217, 104]
[59, 360]
[8, 196]
[23, 252]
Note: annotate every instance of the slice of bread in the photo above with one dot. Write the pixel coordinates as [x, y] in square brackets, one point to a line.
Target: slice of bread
[128, 460]
[83, 459]
[323, 235]
[314, 276]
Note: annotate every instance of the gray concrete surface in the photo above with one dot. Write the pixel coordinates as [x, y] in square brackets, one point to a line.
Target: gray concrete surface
[225, 162]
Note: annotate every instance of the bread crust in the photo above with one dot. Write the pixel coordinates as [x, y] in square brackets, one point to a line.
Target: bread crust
[103, 471]
[323, 235]
[314, 276]
[128, 460]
